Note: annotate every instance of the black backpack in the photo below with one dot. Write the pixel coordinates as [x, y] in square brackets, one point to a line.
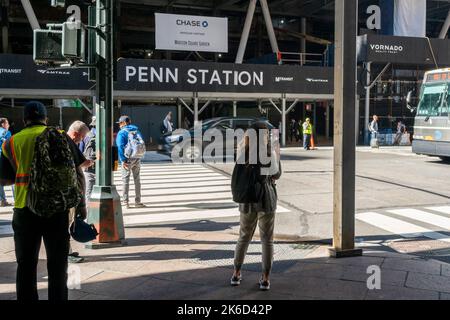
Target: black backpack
[245, 186]
[53, 187]
[90, 147]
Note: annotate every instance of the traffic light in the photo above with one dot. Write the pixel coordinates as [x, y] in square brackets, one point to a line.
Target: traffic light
[47, 47]
[73, 41]
[61, 44]
[58, 3]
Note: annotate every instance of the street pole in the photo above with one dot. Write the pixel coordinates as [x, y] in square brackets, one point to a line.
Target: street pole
[346, 24]
[105, 210]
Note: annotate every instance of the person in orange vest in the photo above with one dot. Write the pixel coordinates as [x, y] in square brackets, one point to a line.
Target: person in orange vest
[30, 228]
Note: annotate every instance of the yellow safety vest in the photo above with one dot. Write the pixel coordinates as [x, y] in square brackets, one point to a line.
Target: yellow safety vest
[308, 129]
[19, 149]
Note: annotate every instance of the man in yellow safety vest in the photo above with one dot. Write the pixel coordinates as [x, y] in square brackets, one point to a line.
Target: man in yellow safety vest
[29, 228]
[307, 132]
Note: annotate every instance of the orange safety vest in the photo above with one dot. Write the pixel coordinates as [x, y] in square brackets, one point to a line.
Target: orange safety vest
[19, 149]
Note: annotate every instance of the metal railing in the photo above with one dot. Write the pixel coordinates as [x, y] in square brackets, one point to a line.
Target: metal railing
[315, 59]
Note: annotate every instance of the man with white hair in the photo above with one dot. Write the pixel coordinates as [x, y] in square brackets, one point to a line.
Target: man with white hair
[77, 132]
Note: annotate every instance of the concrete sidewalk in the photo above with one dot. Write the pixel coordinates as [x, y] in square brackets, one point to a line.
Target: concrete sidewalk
[194, 261]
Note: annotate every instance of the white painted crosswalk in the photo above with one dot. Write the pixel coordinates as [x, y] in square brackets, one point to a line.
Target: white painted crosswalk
[179, 192]
[428, 222]
[171, 193]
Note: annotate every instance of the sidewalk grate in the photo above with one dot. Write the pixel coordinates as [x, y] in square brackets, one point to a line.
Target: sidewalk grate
[285, 256]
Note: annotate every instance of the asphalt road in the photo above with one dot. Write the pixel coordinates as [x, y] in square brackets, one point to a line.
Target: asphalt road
[399, 195]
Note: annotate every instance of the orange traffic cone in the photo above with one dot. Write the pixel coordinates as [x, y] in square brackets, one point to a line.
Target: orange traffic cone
[312, 143]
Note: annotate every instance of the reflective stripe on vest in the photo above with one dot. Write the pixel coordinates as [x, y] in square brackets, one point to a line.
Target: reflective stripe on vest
[21, 151]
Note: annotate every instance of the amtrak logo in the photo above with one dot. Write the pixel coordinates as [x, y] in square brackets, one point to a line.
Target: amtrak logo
[205, 24]
[316, 80]
[43, 71]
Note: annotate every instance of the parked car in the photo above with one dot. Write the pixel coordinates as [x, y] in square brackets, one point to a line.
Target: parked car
[169, 140]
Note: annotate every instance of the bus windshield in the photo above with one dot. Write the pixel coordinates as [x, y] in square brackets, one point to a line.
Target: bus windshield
[434, 101]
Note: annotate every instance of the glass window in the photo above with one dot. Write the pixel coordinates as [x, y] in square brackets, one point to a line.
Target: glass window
[225, 124]
[432, 101]
[241, 124]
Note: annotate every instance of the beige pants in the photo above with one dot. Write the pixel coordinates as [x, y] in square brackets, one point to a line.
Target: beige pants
[248, 222]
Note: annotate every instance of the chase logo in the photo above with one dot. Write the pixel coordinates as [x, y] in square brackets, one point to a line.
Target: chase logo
[205, 24]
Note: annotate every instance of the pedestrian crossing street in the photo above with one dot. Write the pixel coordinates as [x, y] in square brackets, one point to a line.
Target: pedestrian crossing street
[430, 222]
[171, 193]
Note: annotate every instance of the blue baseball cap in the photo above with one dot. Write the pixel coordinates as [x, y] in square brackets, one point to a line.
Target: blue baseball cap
[34, 110]
[125, 119]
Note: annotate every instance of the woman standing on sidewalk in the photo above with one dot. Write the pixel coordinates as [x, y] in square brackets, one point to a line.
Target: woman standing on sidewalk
[253, 186]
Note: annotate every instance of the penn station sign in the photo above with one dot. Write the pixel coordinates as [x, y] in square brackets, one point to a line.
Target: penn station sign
[181, 76]
[191, 33]
[144, 75]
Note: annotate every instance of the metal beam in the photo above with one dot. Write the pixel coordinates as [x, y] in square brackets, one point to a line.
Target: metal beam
[269, 26]
[204, 106]
[283, 122]
[370, 86]
[292, 105]
[276, 107]
[246, 31]
[186, 105]
[30, 14]
[367, 106]
[346, 17]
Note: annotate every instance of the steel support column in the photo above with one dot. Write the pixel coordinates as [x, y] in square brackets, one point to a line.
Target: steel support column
[234, 109]
[346, 16]
[196, 113]
[367, 105]
[445, 27]
[246, 31]
[105, 210]
[283, 122]
[30, 14]
[269, 26]
[179, 110]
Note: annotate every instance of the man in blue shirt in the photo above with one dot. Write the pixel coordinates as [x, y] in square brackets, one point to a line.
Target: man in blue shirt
[128, 166]
[4, 135]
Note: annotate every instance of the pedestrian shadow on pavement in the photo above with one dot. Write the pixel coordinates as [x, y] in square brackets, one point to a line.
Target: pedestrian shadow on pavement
[202, 225]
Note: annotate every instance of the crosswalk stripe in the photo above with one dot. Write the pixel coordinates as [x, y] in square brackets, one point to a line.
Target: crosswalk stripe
[204, 189]
[118, 181]
[169, 169]
[130, 220]
[168, 199]
[444, 209]
[185, 177]
[178, 216]
[6, 230]
[423, 216]
[400, 227]
[179, 185]
[185, 173]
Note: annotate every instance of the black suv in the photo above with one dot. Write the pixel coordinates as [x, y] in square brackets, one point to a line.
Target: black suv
[169, 140]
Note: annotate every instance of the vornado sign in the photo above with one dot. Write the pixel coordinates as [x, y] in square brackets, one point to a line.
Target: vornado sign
[191, 33]
[386, 48]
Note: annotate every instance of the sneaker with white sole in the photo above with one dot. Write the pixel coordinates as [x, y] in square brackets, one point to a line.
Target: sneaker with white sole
[264, 285]
[235, 281]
